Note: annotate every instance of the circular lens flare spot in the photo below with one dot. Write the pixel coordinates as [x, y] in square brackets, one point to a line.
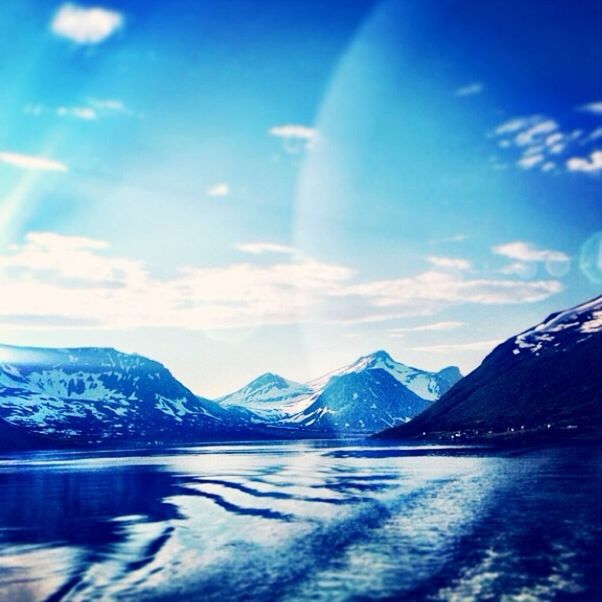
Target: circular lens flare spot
[590, 258]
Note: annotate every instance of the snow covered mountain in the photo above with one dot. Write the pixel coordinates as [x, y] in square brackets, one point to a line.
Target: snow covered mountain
[269, 396]
[360, 401]
[425, 384]
[94, 396]
[370, 394]
[97, 395]
[543, 382]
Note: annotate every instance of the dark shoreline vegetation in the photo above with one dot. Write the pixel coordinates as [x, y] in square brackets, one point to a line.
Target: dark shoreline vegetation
[542, 386]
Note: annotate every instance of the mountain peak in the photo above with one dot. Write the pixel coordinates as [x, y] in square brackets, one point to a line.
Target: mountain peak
[268, 378]
[266, 395]
[381, 355]
[450, 372]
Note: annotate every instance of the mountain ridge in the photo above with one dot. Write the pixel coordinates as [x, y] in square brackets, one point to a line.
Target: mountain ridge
[543, 382]
[398, 393]
[79, 396]
[95, 395]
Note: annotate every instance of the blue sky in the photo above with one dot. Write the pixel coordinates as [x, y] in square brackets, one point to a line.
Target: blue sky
[235, 187]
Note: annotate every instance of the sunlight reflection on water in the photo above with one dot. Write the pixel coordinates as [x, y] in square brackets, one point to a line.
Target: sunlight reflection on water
[300, 522]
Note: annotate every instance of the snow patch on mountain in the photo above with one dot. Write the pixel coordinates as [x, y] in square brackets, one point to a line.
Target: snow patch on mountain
[585, 319]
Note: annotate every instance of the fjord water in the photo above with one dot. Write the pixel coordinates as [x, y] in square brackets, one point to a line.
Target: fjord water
[302, 521]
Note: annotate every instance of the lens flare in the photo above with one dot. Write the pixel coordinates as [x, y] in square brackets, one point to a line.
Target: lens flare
[590, 258]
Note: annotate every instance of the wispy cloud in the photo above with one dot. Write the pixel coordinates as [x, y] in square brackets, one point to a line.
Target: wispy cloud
[446, 239]
[452, 347]
[81, 279]
[595, 134]
[469, 89]
[530, 161]
[542, 145]
[455, 263]
[85, 113]
[518, 268]
[293, 131]
[85, 25]
[527, 251]
[31, 162]
[537, 139]
[61, 244]
[295, 137]
[526, 256]
[260, 248]
[218, 190]
[89, 111]
[433, 327]
[110, 105]
[436, 289]
[516, 124]
[593, 164]
[537, 132]
[592, 107]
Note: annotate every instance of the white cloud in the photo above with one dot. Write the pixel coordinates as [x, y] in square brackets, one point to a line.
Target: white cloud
[75, 277]
[218, 190]
[470, 89]
[534, 132]
[90, 111]
[543, 145]
[60, 243]
[446, 239]
[536, 137]
[518, 268]
[591, 165]
[31, 162]
[449, 262]
[85, 113]
[78, 280]
[436, 289]
[527, 252]
[452, 347]
[70, 257]
[293, 131]
[112, 105]
[433, 327]
[260, 248]
[295, 137]
[554, 141]
[592, 107]
[85, 25]
[516, 124]
[530, 161]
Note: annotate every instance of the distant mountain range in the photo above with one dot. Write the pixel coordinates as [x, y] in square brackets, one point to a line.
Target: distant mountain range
[371, 394]
[99, 396]
[545, 382]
